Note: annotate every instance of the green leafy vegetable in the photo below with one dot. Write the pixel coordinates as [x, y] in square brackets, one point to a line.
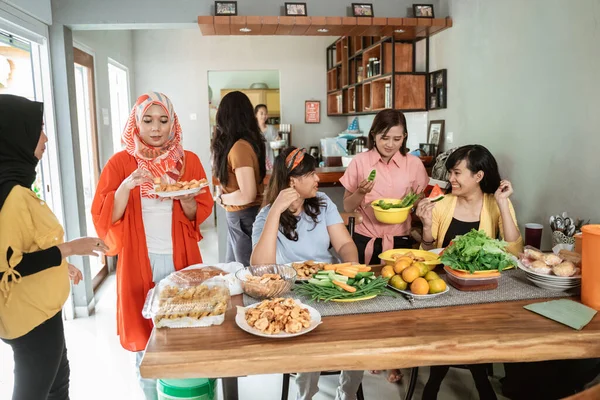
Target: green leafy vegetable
[477, 252]
[407, 201]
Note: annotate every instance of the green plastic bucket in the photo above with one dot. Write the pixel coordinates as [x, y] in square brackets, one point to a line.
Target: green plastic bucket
[186, 389]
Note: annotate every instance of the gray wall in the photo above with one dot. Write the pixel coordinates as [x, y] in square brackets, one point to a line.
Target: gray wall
[39, 9]
[85, 14]
[522, 80]
[117, 45]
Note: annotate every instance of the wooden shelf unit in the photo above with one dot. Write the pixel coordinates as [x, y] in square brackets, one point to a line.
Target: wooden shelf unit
[366, 94]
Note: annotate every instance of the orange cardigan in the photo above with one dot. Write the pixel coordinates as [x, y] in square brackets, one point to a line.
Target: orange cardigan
[127, 240]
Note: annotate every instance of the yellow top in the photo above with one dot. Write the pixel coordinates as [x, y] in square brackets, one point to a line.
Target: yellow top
[28, 225]
[490, 221]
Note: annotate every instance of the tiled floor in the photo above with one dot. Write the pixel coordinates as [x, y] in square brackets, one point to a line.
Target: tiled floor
[101, 369]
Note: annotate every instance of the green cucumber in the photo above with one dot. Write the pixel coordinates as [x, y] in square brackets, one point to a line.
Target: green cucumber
[335, 277]
[324, 283]
[361, 275]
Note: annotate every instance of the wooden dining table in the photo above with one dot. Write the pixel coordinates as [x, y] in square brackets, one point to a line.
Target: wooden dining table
[472, 334]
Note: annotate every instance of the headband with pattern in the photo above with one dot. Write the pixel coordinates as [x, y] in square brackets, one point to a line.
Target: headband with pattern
[294, 159]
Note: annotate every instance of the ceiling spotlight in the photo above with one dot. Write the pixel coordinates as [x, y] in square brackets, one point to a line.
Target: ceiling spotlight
[399, 31]
[322, 30]
[245, 30]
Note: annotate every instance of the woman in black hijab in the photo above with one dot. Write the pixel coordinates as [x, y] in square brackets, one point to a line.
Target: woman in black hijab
[34, 275]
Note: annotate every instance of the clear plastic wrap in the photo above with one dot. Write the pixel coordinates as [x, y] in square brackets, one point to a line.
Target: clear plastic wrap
[565, 265]
[178, 302]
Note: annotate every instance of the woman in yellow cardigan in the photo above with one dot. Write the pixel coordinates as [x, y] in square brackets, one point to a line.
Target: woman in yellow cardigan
[479, 200]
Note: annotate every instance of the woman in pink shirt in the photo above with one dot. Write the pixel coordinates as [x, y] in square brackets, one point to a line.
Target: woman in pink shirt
[397, 173]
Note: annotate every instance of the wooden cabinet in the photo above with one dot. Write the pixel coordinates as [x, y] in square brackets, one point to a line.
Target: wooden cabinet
[270, 97]
[273, 102]
[368, 74]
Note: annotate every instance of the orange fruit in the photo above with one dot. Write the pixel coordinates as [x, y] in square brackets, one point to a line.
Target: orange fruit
[437, 286]
[419, 286]
[410, 274]
[405, 258]
[423, 270]
[397, 282]
[401, 265]
[387, 272]
[431, 276]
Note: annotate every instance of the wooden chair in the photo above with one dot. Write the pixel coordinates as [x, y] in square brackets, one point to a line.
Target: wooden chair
[350, 220]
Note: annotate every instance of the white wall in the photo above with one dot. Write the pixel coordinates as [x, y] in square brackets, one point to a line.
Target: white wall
[39, 9]
[117, 45]
[523, 81]
[300, 60]
[85, 14]
[236, 79]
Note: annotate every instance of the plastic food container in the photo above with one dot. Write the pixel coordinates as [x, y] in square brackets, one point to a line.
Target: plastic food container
[471, 284]
[186, 389]
[393, 215]
[266, 288]
[176, 304]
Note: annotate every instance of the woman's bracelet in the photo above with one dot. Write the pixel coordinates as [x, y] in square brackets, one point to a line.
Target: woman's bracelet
[426, 243]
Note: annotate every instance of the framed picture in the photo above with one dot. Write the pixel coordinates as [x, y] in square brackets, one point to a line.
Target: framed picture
[438, 96]
[312, 112]
[225, 8]
[436, 132]
[362, 10]
[296, 9]
[439, 78]
[441, 98]
[423, 10]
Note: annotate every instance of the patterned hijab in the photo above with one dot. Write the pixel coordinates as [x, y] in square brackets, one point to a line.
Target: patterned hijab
[164, 162]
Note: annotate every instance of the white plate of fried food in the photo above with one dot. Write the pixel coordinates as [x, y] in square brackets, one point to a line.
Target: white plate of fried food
[182, 188]
[278, 318]
[306, 269]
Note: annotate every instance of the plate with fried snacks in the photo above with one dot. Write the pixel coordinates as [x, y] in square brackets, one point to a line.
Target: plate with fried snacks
[182, 188]
[278, 318]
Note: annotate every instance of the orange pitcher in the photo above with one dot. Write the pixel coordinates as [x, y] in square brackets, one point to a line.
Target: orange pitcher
[590, 270]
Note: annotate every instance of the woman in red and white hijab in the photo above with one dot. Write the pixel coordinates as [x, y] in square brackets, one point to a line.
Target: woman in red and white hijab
[153, 237]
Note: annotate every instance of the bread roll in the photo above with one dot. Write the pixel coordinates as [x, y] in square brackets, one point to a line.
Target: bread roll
[540, 267]
[566, 268]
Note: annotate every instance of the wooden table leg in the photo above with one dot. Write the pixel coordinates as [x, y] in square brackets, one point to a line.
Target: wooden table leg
[230, 388]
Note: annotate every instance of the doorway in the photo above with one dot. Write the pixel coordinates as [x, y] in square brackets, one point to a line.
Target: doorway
[88, 146]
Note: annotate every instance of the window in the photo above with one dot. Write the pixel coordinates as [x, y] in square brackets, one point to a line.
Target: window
[119, 101]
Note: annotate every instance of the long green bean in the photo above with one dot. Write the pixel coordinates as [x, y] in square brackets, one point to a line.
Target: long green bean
[375, 287]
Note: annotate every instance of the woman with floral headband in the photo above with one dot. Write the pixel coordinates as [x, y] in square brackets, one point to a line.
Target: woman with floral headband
[152, 237]
[300, 223]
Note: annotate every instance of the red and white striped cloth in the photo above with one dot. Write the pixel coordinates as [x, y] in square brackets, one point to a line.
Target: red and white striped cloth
[165, 162]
